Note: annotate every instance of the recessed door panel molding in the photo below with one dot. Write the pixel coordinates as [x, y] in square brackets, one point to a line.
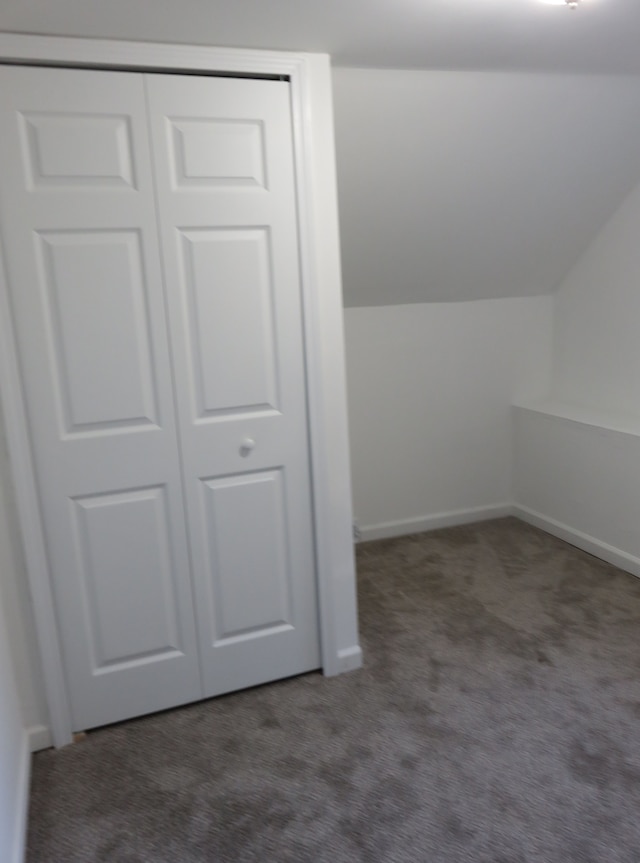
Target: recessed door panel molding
[96, 310]
[229, 294]
[101, 154]
[216, 152]
[126, 564]
[250, 579]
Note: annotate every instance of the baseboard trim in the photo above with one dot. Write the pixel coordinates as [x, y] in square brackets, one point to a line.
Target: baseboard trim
[609, 553]
[39, 738]
[22, 800]
[349, 659]
[390, 529]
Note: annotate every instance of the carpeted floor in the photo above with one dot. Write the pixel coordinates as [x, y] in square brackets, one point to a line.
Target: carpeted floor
[497, 720]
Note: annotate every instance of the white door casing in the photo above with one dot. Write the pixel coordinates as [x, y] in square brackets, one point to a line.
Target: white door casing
[310, 87]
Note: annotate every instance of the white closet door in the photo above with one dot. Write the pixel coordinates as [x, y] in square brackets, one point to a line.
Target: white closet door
[80, 239]
[226, 202]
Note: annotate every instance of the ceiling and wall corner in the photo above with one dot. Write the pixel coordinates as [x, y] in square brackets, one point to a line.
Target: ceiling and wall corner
[600, 37]
[491, 179]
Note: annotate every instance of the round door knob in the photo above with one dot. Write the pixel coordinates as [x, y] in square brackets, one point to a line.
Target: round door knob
[248, 445]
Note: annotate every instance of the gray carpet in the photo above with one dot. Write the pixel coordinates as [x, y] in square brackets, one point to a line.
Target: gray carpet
[496, 721]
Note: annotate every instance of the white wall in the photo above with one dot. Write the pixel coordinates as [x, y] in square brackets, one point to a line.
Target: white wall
[462, 185]
[14, 755]
[457, 186]
[580, 481]
[430, 388]
[577, 454]
[14, 593]
[597, 331]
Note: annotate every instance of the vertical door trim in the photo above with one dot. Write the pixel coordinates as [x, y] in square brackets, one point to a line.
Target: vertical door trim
[310, 80]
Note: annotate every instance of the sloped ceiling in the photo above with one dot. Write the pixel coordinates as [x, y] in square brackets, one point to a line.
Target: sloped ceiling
[486, 181]
[600, 36]
[462, 186]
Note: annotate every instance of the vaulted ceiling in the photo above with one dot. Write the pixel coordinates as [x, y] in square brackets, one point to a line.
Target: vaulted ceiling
[601, 36]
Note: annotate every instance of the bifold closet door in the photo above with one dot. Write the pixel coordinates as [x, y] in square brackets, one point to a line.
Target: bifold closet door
[223, 157]
[80, 240]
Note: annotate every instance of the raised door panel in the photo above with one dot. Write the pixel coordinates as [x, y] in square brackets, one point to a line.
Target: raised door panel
[101, 154]
[209, 153]
[227, 210]
[80, 240]
[123, 546]
[251, 582]
[95, 308]
[228, 287]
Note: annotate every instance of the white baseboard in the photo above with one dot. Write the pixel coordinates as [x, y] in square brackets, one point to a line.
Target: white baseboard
[39, 738]
[22, 804]
[609, 553]
[390, 529]
[347, 659]
[350, 658]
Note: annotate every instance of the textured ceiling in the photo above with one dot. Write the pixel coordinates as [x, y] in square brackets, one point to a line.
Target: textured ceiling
[602, 36]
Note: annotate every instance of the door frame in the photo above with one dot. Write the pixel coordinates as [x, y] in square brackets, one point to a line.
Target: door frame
[315, 174]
